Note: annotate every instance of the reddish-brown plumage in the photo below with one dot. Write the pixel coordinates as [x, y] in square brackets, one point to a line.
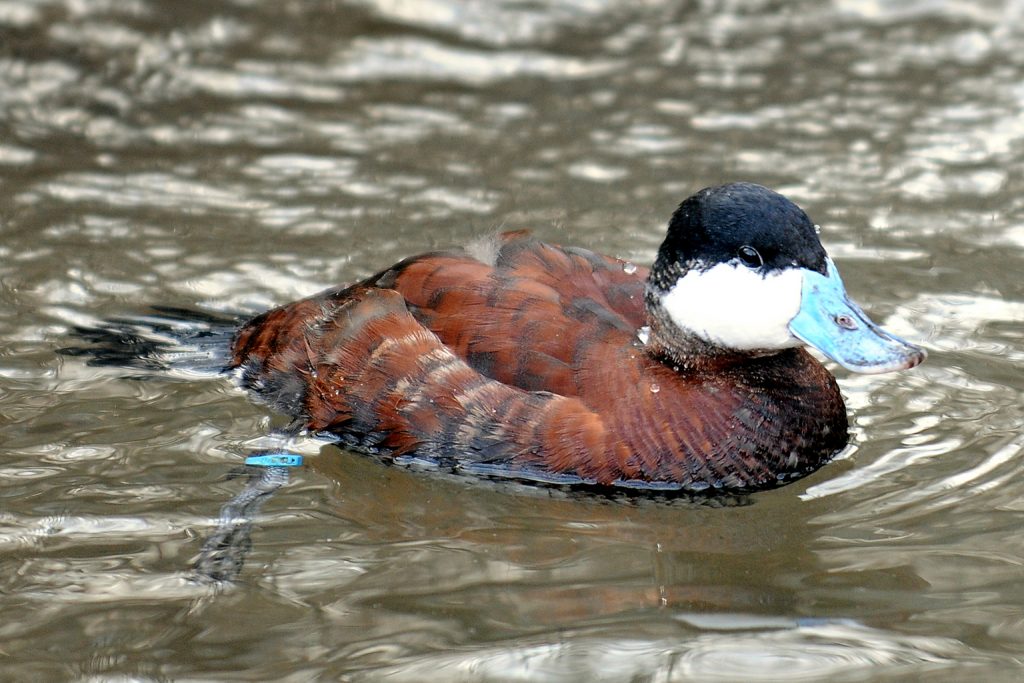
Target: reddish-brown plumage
[531, 367]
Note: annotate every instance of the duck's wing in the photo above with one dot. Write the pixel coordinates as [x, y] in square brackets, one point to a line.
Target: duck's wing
[357, 364]
[529, 319]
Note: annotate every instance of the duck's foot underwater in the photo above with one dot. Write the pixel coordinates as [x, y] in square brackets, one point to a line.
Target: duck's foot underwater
[223, 553]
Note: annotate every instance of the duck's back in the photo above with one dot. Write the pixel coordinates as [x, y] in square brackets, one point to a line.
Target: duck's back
[524, 358]
[531, 317]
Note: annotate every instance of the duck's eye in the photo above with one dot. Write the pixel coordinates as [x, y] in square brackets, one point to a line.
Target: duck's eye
[750, 257]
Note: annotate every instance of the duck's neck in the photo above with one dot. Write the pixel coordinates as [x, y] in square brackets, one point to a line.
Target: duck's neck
[665, 341]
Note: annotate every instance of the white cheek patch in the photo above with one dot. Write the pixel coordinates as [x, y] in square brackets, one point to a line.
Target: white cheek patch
[735, 307]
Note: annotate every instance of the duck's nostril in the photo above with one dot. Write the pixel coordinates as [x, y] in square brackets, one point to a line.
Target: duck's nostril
[846, 322]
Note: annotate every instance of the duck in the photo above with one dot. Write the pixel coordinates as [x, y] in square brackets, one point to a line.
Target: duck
[515, 358]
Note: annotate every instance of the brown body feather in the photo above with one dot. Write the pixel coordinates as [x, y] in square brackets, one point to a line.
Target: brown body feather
[531, 367]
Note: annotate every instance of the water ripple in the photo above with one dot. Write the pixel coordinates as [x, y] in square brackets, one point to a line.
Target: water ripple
[147, 189]
[423, 60]
[832, 651]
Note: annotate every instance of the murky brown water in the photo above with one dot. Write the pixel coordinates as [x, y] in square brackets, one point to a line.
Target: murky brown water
[240, 154]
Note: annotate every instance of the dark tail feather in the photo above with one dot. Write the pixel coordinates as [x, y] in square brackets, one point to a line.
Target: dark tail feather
[168, 338]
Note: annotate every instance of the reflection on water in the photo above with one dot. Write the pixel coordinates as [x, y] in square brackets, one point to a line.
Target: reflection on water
[244, 154]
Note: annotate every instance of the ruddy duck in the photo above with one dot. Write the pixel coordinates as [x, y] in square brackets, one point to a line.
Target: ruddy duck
[522, 359]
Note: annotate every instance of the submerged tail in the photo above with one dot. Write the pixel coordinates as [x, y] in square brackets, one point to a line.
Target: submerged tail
[165, 339]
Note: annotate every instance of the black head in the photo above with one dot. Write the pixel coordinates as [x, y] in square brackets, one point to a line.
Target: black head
[740, 222]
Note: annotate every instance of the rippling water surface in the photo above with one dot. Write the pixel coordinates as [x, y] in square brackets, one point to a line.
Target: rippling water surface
[240, 154]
